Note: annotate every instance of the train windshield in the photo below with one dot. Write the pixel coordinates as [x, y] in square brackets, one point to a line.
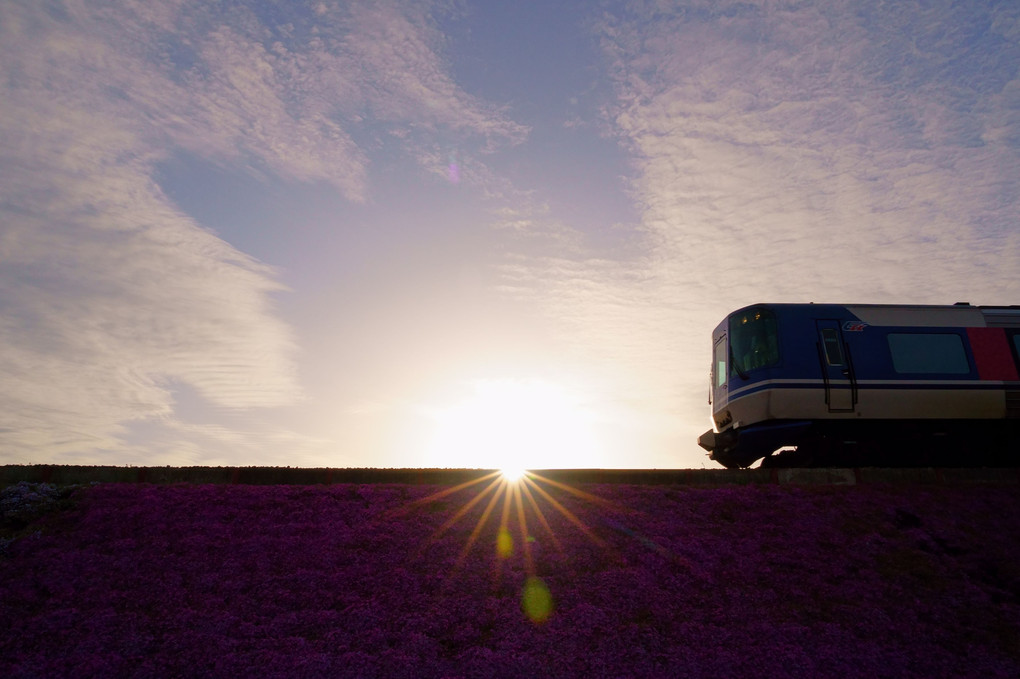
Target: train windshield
[754, 340]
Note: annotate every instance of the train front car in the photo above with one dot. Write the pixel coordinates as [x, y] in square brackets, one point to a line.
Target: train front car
[866, 384]
[756, 351]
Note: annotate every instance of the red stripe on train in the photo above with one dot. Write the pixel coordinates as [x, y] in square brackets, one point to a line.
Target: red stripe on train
[991, 353]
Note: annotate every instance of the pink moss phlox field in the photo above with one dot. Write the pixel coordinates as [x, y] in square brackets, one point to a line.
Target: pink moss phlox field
[358, 581]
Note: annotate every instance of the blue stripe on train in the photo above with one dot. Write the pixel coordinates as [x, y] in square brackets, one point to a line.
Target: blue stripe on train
[871, 386]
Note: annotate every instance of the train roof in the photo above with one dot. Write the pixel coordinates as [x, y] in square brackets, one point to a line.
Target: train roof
[966, 305]
[961, 314]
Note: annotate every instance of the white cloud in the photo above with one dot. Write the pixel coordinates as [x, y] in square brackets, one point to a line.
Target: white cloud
[819, 152]
[109, 294]
[780, 151]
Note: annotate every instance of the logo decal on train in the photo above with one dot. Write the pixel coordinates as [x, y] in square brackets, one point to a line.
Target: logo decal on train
[854, 326]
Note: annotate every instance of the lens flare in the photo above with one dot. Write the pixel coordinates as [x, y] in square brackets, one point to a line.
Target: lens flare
[504, 544]
[536, 600]
[528, 503]
[453, 169]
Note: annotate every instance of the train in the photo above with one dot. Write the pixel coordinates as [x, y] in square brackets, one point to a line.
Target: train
[866, 385]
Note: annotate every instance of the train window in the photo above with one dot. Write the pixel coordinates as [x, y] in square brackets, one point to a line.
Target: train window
[833, 350]
[754, 340]
[719, 367]
[941, 353]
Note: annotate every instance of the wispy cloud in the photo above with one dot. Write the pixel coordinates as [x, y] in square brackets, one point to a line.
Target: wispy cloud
[108, 292]
[777, 151]
[807, 152]
[818, 137]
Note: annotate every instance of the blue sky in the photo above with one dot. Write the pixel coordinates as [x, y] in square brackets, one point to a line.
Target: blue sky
[455, 233]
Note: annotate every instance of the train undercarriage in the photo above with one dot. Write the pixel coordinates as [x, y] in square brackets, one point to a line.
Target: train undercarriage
[874, 443]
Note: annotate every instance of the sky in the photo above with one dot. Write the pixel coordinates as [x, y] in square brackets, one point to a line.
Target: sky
[467, 234]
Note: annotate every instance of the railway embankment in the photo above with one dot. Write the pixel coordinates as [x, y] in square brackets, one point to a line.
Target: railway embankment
[81, 474]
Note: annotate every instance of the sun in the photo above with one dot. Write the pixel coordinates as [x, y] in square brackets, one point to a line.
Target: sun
[512, 474]
[515, 425]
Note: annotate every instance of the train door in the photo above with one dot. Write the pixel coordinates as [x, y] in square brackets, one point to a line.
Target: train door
[837, 368]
